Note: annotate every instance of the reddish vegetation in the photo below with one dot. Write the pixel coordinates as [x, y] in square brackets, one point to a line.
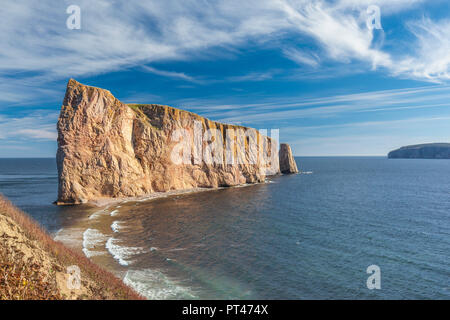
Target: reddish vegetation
[23, 281]
[26, 279]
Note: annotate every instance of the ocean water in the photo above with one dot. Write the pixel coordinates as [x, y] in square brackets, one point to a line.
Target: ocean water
[305, 236]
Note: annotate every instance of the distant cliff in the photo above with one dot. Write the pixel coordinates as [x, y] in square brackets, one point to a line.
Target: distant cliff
[422, 151]
[107, 149]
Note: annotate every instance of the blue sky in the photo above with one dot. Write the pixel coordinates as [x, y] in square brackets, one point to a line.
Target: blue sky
[312, 69]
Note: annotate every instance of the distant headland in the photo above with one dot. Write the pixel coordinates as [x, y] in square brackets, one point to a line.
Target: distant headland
[422, 151]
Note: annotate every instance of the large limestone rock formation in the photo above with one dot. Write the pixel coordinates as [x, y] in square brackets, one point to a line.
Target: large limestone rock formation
[107, 149]
[287, 162]
[35, 267]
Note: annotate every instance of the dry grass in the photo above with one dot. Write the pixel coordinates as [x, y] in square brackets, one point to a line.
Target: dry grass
[15, 276]
[21, 280]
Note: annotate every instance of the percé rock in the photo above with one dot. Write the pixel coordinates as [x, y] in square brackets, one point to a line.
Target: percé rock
[422, 151]
[108, 149]
[287, 162]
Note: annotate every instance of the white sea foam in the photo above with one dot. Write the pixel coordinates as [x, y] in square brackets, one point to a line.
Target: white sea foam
[114, 213]
[116, 226]
[306, 172]
[71, 237]
[92, 239]
[154, 285]
[122, 254]
[97, 214]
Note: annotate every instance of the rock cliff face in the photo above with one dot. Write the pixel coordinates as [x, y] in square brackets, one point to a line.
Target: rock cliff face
[422, 151]
[287, 162]
[107, 149]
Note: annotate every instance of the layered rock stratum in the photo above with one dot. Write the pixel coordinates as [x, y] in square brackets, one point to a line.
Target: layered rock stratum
[108, 149]
[422, 151]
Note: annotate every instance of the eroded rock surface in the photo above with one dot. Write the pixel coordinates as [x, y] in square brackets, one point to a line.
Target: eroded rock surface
[287, 162]
[107, 149]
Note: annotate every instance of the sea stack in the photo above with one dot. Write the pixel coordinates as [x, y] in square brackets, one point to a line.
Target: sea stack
[287, 162]
[108, 149]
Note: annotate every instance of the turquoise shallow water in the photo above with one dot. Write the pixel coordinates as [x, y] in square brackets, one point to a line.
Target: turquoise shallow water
[310, 235]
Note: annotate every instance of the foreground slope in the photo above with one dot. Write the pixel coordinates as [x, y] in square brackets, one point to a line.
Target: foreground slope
[34, 266]
[107, 149]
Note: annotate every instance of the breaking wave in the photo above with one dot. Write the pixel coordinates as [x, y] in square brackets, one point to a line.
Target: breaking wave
[122, 254]
[92, 239]
[154, 285]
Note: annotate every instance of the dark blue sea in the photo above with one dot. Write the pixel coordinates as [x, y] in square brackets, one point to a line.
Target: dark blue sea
[305, 236]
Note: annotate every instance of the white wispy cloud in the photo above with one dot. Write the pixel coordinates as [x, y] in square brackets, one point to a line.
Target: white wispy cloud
[278, 109]
[45, 133]
[138, 97]
[302, 57]
[388, 6]
[170, 74]
[252, 76]
[340, 34]
[40, 125]
[25, 90]
[121, 34]
[431, 51]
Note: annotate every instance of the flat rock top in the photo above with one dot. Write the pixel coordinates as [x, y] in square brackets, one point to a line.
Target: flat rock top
[424, 145]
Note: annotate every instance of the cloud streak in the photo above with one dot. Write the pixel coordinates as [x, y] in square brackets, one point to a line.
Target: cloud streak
[170, 74]
[39, 125]
[127, 34]
[276, 109]
[432, 51]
